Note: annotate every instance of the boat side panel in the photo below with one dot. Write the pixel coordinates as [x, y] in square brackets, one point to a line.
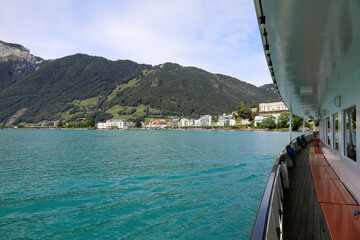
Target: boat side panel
[347, 169]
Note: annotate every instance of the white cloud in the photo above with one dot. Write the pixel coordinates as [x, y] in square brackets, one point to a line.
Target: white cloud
[218, 36]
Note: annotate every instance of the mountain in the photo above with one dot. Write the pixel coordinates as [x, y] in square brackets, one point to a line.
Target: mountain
[94, 87]
[11, 51]
[15, 62]
[270, 88]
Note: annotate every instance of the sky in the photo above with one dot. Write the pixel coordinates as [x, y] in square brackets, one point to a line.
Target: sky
[219, 36]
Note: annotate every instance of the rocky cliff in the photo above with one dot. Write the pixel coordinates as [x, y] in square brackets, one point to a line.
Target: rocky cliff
[17, 52]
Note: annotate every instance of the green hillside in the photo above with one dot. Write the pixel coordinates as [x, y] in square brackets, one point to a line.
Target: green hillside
[94, 87]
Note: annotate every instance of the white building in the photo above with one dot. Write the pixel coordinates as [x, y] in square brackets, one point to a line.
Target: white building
[197, 123]
[175, 122]
[262, 118]
[253, 110]
[272, 107]
[226, 120]
[101, 125]
[113, 123]
[205, 120]
[183, 122]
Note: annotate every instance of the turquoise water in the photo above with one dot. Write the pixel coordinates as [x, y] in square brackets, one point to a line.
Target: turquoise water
[137, 184]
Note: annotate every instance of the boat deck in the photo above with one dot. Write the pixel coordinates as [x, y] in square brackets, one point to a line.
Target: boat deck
[302, 212]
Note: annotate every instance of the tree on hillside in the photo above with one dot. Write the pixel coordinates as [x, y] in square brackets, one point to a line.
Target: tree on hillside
[254, 105]
[100, 116]
[283, 120]
[131, 111]
[242, 111]
[138, 124]
[90, 123]
[249, 115]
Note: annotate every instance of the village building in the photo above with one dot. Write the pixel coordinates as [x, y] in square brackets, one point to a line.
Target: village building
[270, 109]
[226, 120]
[253, 110]
[43, 123]
[56, 123]
[174, 122]
[205, 120]
[157, 124]
[113, 123]
[197, 122]
[244, 122]
[184, 122]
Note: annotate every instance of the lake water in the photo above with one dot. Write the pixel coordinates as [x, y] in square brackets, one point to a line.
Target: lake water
[136, 184]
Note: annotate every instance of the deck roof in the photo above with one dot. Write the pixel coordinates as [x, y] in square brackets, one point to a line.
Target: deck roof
[312, 48]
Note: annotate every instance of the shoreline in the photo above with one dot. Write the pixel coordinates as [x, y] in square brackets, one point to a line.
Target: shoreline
[168, 129]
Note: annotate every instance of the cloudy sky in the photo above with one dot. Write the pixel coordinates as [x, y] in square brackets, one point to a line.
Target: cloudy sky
[220, 36]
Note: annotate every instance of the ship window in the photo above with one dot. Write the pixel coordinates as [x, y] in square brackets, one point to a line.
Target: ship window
[328, 126]
[323, 129]
[350, 133]
[336, 131]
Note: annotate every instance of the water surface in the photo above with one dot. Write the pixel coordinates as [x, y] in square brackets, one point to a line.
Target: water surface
[134, 184]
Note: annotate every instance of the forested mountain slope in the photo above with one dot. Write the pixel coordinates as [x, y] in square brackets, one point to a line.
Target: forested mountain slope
[94, 87]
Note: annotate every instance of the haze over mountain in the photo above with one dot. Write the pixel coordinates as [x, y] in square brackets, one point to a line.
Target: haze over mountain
[93, 87]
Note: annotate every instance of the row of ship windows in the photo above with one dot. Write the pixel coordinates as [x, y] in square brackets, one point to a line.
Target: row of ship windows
[331, 129]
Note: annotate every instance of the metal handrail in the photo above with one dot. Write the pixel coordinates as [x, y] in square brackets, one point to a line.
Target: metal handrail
[259, 228]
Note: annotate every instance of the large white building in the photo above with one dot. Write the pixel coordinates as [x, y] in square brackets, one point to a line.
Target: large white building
[272, 107]
[113, 123]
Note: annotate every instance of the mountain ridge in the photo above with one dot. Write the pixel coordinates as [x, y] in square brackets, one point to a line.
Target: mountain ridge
[80, 85]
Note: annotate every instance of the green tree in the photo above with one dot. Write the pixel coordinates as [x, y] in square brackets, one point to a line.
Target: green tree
[70, 125]
[249, 115]
[92, 122]
[214, 119]
[253, 115]
[296, 123]
[147, 111]
[283, 120]
[254, 105]
[270, 122]
[138, 124]
[131, 111]
[59, 124]
[89, 123]
[242, 111]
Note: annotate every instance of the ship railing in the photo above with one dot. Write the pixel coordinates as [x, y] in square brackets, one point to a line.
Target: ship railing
[269, 220]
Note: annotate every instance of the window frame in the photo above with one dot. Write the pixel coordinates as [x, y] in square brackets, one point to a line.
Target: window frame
[334, 131]
[344, 133]
[328, 128]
